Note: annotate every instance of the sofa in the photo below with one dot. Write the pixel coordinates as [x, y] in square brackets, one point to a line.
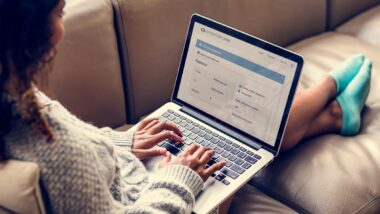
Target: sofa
[118, 63]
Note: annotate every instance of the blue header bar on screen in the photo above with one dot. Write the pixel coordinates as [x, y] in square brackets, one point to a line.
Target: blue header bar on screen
[275, 76]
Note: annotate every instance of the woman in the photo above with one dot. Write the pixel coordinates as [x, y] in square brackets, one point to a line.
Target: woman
[91, 170]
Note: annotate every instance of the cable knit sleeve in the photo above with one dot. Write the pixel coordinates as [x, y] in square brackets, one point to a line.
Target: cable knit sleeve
[172, 190]
[122, 139]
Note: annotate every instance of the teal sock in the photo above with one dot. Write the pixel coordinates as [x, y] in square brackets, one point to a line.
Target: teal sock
[352, 99]
[347, 71]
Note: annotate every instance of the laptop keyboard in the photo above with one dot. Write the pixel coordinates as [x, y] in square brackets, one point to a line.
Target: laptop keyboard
[238, 159]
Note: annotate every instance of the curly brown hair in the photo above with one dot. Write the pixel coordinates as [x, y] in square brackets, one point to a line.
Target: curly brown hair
[26, 31]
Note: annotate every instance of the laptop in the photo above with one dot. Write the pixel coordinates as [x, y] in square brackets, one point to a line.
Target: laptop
[233, 94]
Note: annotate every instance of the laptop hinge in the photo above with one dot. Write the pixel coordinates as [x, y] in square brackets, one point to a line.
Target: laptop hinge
[221, 128]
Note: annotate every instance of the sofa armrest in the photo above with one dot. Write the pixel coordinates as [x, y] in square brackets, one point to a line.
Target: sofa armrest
[20, 189]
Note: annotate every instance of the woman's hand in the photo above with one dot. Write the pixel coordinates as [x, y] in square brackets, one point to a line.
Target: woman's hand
[149, 133]
[194, 157]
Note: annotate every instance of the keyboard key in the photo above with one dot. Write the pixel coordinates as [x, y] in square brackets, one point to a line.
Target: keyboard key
[228, 142]
[221, 144]
[189, 121]
[220, 158]
[235, 145]
[177, 120]
[212, 146]
[182, 117]
[195, 130]
[179, 145]
[199, 140]
[201, 127]
[170, 111]
[251, 160]
[219, 150]
[205, 143]
[202, 133]
[232, 158]
[214, 140]
[186, 133]
[208, 137]
[241, 155]
[171, 117]
[235, 151]
[166, 114]
[243, 149]
[193, 136]
[222, 176]
[218, 178]
[183, 124]
[227, 147]
[189, 127]
[228, 164]
[237, 169]
[246, 165]
[171, 149]
[188, 141]
[225, 182]
[225, 154]
[176, 114]
[222, 138]
[250, 153]
[215, 134]
[229, 173]
[172, 142]
[258, 157]
[195, 124]
[208, 131]
[210, 163]
[239, 161]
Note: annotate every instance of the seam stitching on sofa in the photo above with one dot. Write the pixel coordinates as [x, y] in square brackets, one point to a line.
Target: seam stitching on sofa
[124, 56]
[369, 204]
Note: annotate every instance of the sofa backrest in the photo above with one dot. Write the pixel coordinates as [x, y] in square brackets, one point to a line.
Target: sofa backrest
[87, 76]
[153, 34]
[339, 11]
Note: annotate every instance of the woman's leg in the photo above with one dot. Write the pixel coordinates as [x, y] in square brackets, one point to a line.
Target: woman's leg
[310, 113]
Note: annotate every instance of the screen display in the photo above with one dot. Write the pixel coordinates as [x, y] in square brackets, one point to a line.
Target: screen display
[238, 83]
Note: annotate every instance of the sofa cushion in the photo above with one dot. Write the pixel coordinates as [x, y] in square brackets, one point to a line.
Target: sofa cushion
[331, 173]
[365, 26]
[154, 33]
[339, 11]
[20, 190]
[87, 78]
[249, 200]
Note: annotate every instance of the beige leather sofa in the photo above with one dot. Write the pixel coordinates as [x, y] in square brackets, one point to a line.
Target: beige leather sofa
[119, 60]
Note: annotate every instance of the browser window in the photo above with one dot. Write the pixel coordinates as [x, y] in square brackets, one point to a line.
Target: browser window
[237, 82]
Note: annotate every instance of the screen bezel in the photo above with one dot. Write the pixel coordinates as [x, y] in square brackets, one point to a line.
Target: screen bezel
[253, 41]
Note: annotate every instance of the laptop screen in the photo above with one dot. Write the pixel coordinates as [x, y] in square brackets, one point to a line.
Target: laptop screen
[238, 83]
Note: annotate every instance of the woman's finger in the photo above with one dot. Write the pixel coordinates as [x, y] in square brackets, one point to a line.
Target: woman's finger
[167, 157]
[144, 123]
[163, 136]
[147, 153]
[191, 149]
[151, 124]
[206, 157]
[164, 125]
[199, 153]
[217, 166]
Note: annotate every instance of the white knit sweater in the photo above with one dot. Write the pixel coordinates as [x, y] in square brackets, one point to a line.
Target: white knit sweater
[91, 170]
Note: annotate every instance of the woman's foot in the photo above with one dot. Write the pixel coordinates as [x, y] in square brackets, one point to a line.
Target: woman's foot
[352, 99]
[344, 74]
